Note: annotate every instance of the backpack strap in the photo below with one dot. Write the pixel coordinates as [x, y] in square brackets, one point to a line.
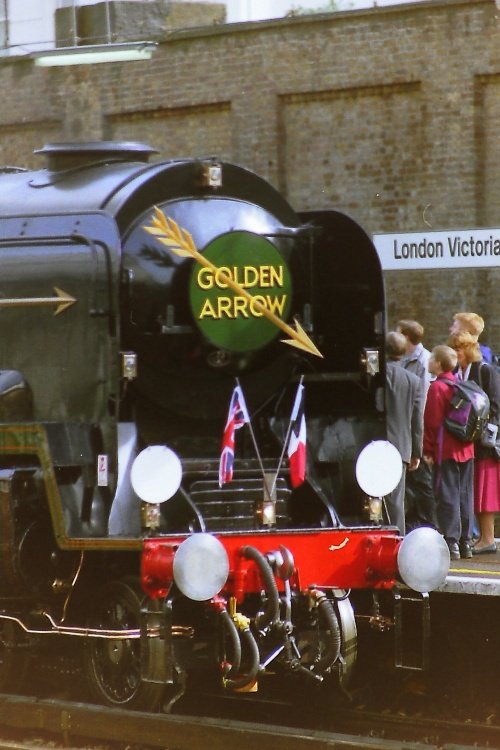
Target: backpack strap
[480, 374]
[493, 375]
[453, 383]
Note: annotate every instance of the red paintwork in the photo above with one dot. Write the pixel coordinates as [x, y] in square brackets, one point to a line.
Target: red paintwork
[326, 558]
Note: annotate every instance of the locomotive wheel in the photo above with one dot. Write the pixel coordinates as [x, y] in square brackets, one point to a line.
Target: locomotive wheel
[14, 657]
[113, 667]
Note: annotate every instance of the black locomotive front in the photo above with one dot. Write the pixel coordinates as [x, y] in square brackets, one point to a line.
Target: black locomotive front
[134, 297]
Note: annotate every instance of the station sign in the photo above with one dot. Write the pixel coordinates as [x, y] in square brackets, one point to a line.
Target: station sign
[464, 248]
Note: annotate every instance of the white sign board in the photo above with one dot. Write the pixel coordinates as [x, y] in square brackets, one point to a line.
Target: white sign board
[464, 248]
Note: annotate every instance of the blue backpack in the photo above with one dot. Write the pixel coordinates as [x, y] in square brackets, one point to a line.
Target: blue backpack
[468, 412]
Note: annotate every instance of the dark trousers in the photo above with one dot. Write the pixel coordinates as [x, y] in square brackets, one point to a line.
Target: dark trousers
[454, 489]
[420, 502]
[395, 504]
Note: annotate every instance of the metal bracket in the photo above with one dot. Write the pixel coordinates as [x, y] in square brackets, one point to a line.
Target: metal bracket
[422, 628]
[153, 619]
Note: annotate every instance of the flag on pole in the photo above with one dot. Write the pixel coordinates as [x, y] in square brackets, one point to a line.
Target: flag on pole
[297, 442]
[236, 418]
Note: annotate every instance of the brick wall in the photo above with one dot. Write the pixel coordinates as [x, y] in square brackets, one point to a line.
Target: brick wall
[390, 114]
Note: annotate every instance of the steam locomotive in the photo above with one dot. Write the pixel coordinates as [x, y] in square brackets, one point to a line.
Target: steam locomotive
[136, 298]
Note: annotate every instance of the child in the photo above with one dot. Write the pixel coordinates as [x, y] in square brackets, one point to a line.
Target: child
[453, 459]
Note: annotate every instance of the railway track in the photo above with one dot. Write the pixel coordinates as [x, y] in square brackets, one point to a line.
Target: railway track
[66, 724]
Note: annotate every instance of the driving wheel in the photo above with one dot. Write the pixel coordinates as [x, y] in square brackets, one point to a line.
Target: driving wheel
[113, 665]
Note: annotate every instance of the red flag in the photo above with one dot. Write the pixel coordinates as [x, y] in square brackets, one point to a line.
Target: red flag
[236, 418]
[297, 442]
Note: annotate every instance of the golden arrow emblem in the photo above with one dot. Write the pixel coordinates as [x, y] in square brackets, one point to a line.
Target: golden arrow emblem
[61, 301]
[180, 241]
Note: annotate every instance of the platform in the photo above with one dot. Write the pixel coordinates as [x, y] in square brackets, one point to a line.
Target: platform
[476, 575]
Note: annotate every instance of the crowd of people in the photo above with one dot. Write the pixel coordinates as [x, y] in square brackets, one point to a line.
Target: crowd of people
[447, 483]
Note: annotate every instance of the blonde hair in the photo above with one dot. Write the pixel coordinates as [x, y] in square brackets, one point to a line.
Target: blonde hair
[445, 356]
[470, 322]
[467, 343]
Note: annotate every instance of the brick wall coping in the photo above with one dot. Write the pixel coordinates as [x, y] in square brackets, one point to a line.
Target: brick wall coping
[243, 27]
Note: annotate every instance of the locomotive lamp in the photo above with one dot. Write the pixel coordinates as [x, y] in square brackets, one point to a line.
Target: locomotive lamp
[156, 476]
[129, 365]
[373, 507]
[370, 361]
[150, 516]
[211, 175]
[267, 511]
[378, 472]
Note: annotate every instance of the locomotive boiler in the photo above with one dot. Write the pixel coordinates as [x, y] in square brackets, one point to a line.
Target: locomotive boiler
[136, 298]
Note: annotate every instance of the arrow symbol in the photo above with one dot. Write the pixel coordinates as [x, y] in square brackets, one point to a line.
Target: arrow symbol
[62, 301]
[180, 242]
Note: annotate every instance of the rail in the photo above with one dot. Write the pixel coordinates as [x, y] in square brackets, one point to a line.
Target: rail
[71, 720]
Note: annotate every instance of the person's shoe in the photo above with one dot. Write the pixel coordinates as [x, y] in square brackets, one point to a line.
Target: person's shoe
[490, 548]
[465, 549]
[454, 551]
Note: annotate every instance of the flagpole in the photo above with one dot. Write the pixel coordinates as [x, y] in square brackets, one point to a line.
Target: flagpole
[266, 488]
[285, 444]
